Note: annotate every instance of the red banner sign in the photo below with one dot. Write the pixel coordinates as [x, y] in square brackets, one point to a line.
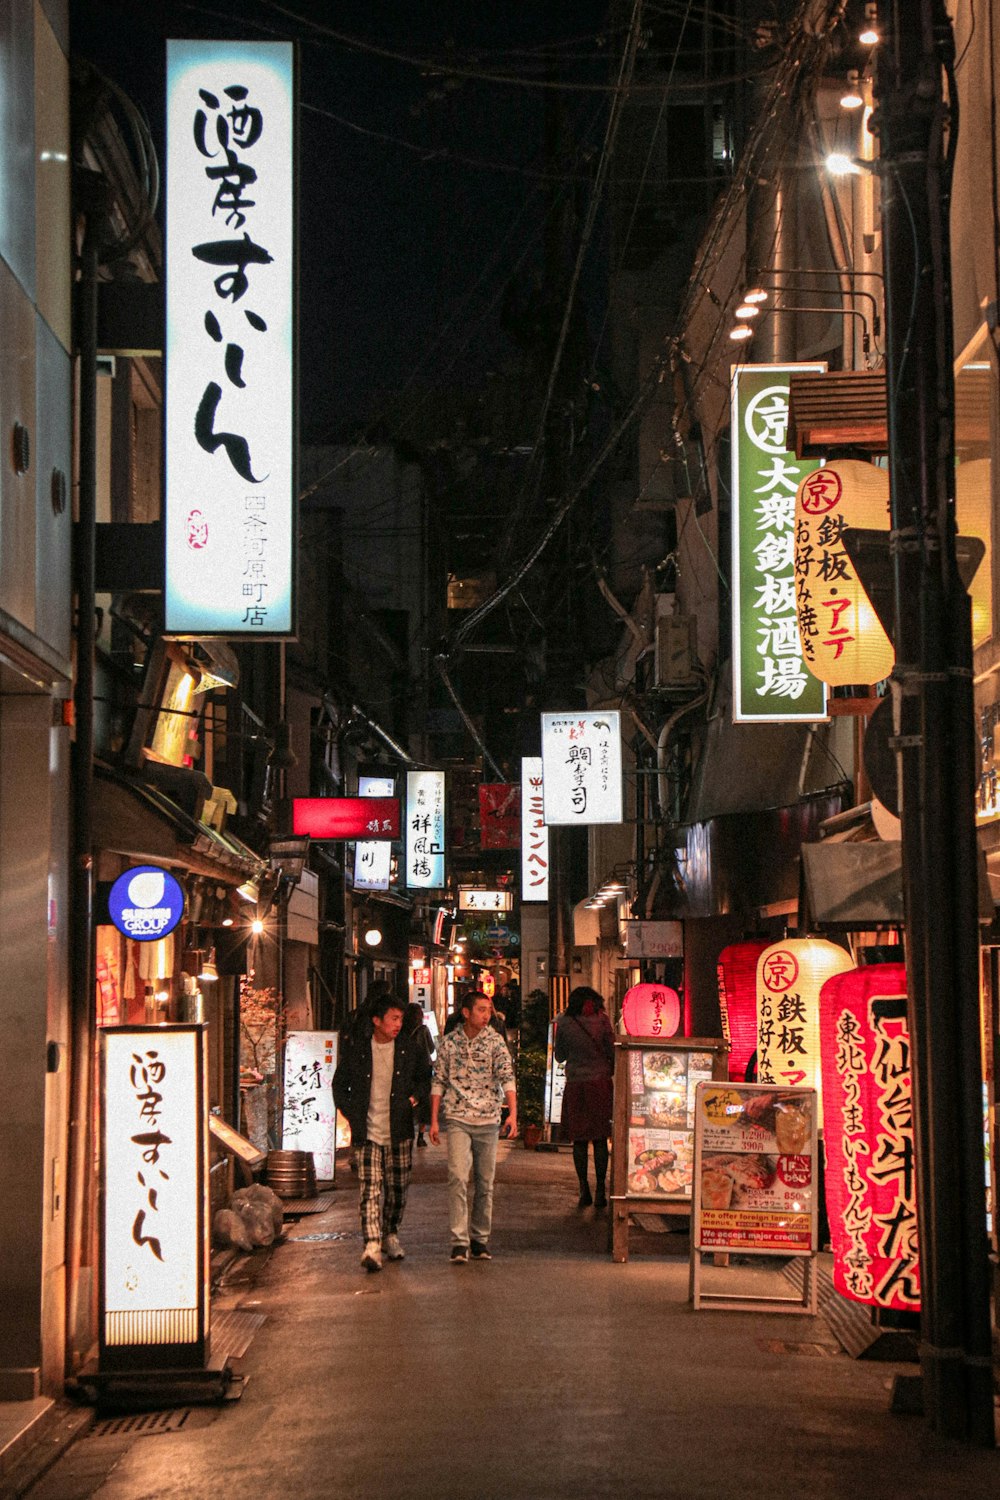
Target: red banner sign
[499, 815]
[870, 1170]
[346, 817]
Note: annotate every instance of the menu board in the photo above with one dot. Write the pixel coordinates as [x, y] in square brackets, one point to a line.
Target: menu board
[662, 1084]
[555, 1082]
[755, 1169]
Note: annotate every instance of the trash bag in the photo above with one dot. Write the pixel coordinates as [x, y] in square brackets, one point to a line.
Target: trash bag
[259, 1193]
[228, 1228]
[257, 1219]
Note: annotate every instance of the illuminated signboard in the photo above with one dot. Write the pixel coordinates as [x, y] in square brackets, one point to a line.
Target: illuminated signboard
[582, 767]
[499, 815]
[373, 858]
[146, 903]
[230, 356]
[346, 817]
[469, 900]
[871, 1180]
[770, 679]
[310, 1115]
[424, 829]
[154, 1234]
[534, 833]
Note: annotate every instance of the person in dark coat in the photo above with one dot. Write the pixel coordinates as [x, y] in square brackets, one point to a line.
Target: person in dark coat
[585, 1042]
[379, 1079]
[414, 1026]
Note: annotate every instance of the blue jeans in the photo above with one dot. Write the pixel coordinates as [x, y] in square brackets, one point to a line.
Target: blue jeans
[475, 1147]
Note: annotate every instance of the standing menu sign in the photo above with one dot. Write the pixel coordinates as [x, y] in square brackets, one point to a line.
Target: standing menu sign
[756, 1181]
[655, 1087]
[555, 1083]
[310, 1117]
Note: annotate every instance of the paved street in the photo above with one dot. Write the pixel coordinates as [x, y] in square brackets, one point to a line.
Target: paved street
[548, 1374]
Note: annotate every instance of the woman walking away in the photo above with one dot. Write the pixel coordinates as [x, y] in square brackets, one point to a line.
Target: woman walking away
[584, 1041]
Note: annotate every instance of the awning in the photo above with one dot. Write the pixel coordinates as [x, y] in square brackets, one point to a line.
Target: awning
[861, 884]
[837, 409]
[140, 822]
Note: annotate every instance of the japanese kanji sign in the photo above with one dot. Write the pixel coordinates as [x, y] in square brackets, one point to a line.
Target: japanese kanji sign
[770, 679]
[790, 975]
[310, 1116]
[534, 833]
[346, 817]
[230, 352]
[372, 857]
[155, 1245]
[582, 767]
[870, 1168]
[499, 815]
[424, 829]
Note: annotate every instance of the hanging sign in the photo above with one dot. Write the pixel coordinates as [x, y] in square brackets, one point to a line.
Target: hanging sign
[651, 1010]
[373, 857]
[736, 971]
[478, 900]
[653, 939]
[346, 817]
[146, 903]
[499, 815]
[842, 639]
[755, 1169]
[424, 830]
[771, 681]
[534, 833]
[868, 1134]
[310, 1114]
[582, 767]
[155, 1244]
[230, 353]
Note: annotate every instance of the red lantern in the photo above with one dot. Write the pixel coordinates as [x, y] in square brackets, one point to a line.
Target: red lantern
[651, 1010]
[737, 971]
[868, 1135]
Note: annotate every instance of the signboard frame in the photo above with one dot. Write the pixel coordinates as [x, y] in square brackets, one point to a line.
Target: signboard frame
[571, 740]
[748, 1137]
[302, 1048]
[624, 1202]
[779, 608]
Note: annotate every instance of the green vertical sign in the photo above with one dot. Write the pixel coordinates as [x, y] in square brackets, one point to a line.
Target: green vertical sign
[771, 682]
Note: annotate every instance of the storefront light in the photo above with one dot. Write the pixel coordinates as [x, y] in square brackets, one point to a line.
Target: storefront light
[755, 294]
[748, 310]
[256, 926]
[851, 98]
[741, 333]
[841, 165]
[373, 936]
[209, 971]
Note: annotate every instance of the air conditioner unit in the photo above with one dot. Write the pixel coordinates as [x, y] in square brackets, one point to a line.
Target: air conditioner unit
[676, 663]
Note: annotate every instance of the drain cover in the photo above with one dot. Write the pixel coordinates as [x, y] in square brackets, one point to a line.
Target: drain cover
[789, 1346]
[301, 1239]
[142, 1423]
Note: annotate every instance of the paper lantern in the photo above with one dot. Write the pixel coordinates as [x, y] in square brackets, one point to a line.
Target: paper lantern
[651, 1010]
[841, 638]
[737, 971]
[973, 514]
[868, 1135]
[790, 975]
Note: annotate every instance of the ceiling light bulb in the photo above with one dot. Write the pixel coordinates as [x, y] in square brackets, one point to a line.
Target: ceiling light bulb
[841, 165]
[741, 331]
[851, 97]
[748, 310]
[256, 926]
[869, 37]
[755, 294]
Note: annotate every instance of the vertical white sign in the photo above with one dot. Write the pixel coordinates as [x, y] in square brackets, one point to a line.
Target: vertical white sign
[582, 767]
[153, 1225]
[230, 267]
[373, 857]
[534, 833]
[310, 1115]
[424, 829]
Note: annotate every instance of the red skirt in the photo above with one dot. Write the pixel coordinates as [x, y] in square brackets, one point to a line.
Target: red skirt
[586, 1110]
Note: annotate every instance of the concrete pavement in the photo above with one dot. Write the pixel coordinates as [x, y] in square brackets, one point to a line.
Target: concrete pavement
[547, 1374]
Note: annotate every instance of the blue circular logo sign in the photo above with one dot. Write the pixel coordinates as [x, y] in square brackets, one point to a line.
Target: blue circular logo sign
[146, 903]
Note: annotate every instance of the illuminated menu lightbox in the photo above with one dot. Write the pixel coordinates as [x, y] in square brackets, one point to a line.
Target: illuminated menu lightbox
[424, 830]
[154, 1231]
[230, 521]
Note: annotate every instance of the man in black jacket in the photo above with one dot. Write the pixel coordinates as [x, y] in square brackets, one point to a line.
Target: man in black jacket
[379, 1079]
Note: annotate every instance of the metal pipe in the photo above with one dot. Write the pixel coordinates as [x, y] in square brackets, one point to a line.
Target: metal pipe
[81, 1187]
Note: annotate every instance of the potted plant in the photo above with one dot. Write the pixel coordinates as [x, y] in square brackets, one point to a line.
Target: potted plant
[532, 1059]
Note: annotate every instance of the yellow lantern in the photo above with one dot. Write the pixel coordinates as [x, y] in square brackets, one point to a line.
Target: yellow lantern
[973, 515]
[842, 639]
[790, 975]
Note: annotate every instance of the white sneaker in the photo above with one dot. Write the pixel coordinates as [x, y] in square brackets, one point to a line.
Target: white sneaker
[392, 1247]
[372, 1257]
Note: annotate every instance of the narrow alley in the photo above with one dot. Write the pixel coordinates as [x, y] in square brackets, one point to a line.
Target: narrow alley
[547, 1373]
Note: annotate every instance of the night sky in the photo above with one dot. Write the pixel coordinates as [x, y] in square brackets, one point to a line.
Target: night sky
[422, 196]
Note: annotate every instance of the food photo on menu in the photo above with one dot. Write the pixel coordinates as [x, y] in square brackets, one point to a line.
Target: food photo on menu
[661, 1121]
[756, 1149]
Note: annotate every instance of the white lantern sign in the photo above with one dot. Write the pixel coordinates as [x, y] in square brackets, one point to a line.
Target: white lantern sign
[582, 767]
[154, 1236]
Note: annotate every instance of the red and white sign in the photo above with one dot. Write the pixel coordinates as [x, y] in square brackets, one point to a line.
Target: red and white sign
[534, 833]
[651, 1010]
[346, 817]
[499, 816]
[870, 1168]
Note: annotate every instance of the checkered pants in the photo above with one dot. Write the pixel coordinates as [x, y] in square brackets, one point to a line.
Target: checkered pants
[383, 1168]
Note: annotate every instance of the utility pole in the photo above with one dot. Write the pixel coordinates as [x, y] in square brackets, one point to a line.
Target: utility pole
[933, 717]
